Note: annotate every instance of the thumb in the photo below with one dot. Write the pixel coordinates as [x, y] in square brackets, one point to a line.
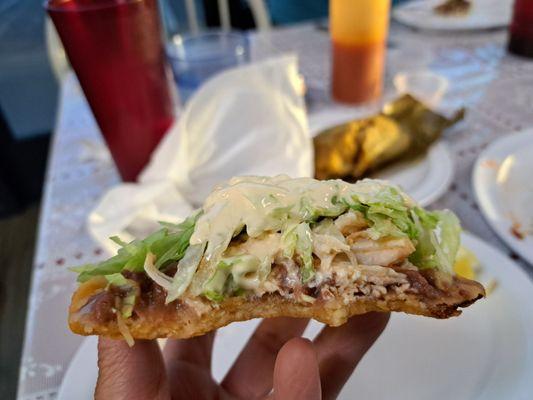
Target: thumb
[296, 374]
[130, 373]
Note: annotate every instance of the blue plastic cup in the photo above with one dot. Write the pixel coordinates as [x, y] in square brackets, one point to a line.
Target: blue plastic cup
[194, 59]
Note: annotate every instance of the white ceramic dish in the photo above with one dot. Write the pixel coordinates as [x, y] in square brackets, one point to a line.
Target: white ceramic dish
[485, 14]
[425, 179]
[485, 354]
[503, 184]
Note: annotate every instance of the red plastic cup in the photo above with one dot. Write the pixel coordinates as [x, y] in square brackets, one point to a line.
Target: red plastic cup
[521, 29]
[116, 50]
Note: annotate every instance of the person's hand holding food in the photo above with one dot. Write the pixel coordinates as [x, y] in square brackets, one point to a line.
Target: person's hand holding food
[275, 364]
[264, 248]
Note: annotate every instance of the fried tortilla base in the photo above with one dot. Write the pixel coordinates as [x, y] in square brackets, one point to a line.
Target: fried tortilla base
[181, 321]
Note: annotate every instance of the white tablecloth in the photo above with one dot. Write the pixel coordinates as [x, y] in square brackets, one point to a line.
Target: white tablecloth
[494, 86]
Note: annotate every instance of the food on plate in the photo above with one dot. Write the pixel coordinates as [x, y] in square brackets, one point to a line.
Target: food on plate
[453, 8]
[404, 130]
[517, 230]
[276, 246]
[466, 264]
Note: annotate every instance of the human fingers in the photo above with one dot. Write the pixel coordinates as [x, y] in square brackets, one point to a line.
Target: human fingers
[296, 373]
[130, 373]
[340, 349]
[188, 364]
[195, 351]
[251, 375]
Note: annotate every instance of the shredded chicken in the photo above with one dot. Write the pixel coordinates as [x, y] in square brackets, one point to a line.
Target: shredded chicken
[363, 280]
[285, 276]
[385, 251]
[350, 222]
[199, 307]
[326, 248]
[348, 264]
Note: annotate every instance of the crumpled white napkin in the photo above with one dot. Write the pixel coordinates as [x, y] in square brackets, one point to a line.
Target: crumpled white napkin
[250, 120]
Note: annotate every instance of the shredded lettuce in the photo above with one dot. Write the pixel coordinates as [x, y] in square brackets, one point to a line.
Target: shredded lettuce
[304, 249]
[328, 227]
[245, 272]
[436, 234]
[298, 217]
[214, 296]
[450, 237]
[311, 213]
[118, 241]
[438, 239]
[387, 212]
[157, 276]
[214, 287]
[129, 287]
[289, 239]
[117, 280]
[383, 226]
[327, 237]
[185, 272]
[237, 268]
[168, 245]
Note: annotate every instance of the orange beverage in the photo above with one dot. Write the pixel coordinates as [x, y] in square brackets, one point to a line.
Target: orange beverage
[358, 34]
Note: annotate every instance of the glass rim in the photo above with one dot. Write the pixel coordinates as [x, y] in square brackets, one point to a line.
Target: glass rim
[175, 56]
[58, 5]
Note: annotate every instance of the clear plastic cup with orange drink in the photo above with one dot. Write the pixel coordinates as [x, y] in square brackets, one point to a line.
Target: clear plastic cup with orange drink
[359, 31]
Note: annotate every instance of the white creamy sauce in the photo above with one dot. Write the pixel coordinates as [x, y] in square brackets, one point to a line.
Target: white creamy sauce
[257, 202]
[265, 248]
[263, 205]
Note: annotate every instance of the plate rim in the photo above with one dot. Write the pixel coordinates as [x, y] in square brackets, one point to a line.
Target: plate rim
[439, 150]
[89, 342]
[397, 14]
[483, 201]
[442, 148]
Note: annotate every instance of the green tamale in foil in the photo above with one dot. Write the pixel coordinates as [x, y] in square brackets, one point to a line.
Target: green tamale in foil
[404, 129]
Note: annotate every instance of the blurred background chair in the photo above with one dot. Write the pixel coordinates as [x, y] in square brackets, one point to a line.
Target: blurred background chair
[261, 14]
[192, 16]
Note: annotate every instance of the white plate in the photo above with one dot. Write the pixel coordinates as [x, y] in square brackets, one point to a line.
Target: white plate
[485, 14]
[502, 179]
[425, 179]
[486, 353]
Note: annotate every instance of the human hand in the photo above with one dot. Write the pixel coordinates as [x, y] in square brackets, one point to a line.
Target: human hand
[275, 364]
